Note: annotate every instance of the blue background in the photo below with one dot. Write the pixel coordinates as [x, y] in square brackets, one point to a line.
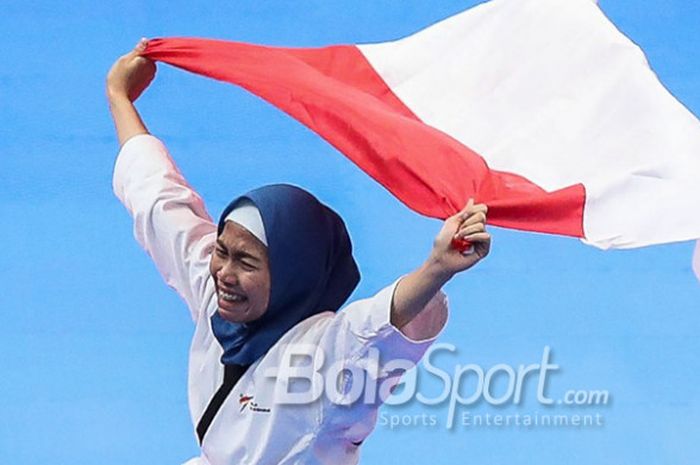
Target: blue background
[93, 345]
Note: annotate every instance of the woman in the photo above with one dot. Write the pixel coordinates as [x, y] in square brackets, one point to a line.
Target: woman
[263, 287]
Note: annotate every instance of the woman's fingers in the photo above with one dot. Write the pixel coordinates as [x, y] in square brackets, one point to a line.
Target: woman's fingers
[469, 222]
[471, 219]
[466, 237]
[471, 208]
[482, 244]
[461, 215]
[467, 209]
[141, 46]
[478, 217]
[478, 237]
[465, 230]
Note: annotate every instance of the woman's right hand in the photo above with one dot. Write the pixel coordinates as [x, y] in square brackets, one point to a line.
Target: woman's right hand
[131, 74]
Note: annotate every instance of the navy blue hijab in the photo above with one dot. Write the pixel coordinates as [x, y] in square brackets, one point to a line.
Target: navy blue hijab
[311, 269]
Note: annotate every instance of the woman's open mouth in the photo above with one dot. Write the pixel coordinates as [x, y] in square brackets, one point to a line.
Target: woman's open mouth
[232, 297]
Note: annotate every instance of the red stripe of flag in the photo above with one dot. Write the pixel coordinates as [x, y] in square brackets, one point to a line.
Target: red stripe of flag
[336, 93]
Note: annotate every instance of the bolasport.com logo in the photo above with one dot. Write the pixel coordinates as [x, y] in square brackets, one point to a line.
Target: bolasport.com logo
[467, 395]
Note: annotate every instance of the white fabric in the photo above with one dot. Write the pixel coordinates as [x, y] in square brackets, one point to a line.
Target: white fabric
[247, 215]
[170, 222]
[552, 91]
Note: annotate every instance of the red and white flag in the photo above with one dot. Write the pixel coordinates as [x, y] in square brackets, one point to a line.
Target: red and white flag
[541, 109]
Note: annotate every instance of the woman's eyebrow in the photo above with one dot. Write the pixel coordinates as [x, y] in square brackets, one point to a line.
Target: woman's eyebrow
[244, 254]
[239, 253]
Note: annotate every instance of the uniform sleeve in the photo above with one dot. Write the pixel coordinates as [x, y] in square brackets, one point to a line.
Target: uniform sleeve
[361, 338]
[368, 322]
[170, 220]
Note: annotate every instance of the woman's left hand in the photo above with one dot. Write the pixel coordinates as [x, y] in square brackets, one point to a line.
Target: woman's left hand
[468, 225]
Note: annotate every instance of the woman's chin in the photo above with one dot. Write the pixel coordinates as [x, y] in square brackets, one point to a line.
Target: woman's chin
[233, 312]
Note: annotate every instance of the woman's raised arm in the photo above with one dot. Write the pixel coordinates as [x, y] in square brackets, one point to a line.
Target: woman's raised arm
[129, 76]
[170, 220]
[416, 289]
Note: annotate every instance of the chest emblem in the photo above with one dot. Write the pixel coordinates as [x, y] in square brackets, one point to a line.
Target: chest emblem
[246, 401]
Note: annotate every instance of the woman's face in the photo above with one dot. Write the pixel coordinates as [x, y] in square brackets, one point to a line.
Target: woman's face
[241, 272]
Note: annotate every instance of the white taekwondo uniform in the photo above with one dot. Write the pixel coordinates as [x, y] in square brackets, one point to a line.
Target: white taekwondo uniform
[172, 224]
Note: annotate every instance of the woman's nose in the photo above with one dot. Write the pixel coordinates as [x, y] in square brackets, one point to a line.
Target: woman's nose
[227, 275]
